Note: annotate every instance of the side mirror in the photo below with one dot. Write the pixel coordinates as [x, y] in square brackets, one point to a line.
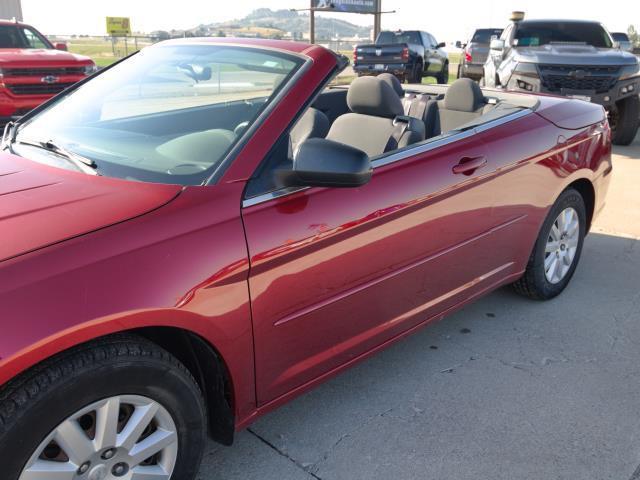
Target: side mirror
[60, 46]
[440, 45]
[319, 162]
[458, 44]
[497, 45]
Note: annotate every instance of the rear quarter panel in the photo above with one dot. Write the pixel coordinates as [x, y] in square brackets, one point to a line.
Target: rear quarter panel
[536, 160]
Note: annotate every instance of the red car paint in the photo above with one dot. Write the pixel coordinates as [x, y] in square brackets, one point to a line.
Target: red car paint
[29, 76]
[295, 289]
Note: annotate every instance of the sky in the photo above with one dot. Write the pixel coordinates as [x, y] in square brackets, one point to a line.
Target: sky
[447, 20]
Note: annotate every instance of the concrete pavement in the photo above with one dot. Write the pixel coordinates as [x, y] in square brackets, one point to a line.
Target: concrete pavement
[507, 388]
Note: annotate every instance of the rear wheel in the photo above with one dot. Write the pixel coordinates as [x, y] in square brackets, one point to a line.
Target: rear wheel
[443, 76]
[117, 408]
[624, 118]
[557, 250]
[416, 73]
[459, 74]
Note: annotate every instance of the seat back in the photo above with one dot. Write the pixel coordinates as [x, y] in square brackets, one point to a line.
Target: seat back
[312, 124]
[377, 123]
[416, 105]
[463, 102]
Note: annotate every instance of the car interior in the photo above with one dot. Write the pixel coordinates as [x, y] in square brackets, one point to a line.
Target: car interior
[378, 116]
[373, 114]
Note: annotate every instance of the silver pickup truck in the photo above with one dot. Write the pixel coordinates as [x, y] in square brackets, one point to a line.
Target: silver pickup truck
[570, 58]
[475, 52]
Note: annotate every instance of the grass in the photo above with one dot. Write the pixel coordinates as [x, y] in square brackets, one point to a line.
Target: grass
[102, 51]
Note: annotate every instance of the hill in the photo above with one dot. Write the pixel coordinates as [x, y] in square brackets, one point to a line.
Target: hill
[280, 23]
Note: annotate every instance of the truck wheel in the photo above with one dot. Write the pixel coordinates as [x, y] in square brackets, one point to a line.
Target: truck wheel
[557, 250]
[416, 73]
[624, 119]
[443, 76]
[120, 407]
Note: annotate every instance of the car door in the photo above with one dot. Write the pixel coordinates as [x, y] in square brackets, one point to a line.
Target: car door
[435, 62]
[337, 272]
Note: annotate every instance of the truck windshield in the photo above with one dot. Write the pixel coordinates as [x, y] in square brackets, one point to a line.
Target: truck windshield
[19, 36]
[534, 34]
[169, 114]
[484, 35]
[398, 37]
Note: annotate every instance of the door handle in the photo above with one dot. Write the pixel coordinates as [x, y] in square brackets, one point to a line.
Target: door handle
[468, 165]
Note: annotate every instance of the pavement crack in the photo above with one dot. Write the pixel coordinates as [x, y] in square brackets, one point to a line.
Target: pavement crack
[636, 474]
[315, 467]
[283, 454]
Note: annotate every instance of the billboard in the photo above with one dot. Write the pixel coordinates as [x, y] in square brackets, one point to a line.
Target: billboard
[118, 26]
[352, 6]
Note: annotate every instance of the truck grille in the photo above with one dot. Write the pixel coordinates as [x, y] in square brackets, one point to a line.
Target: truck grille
[597, 79]
[42, 72]
[38, 88]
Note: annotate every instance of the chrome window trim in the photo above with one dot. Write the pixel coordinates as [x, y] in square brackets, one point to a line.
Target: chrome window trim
[401, 154]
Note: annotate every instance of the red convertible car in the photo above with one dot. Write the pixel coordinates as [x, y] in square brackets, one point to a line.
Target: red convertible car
[207, 229]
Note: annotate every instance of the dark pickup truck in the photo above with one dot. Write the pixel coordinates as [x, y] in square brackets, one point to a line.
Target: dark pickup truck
[409, 55]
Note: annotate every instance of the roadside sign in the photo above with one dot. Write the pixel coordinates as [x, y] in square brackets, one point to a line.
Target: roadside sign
[353, 6]
[118, 26]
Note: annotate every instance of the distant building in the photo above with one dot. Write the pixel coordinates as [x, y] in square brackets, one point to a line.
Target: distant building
[11, 9]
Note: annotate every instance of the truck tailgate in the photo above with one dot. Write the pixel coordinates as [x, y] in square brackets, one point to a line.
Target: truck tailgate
[379, 54]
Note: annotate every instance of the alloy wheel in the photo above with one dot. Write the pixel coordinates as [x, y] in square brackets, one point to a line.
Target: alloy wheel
[562, 244]
[126, 437]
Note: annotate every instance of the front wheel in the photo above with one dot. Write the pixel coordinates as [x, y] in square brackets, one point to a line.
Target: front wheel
[624, 118]
[117, 408]
[557, 250]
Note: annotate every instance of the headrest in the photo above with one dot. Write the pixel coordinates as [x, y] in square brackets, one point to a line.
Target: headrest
[372, 96]
[393, 81]
[313, 124]
[464, 95]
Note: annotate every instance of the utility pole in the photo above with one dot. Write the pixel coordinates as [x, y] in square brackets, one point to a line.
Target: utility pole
[312, 23]
[377, 19]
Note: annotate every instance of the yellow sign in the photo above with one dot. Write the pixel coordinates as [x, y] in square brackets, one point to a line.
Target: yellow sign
[118, 26]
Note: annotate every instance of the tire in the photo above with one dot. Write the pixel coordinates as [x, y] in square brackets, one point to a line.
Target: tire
[535, 283]
[53, 396]
[625, 119]
[443, 76]
[416, 73]
[459, 74]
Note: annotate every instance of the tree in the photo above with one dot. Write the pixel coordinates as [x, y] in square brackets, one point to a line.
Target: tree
[633, 36]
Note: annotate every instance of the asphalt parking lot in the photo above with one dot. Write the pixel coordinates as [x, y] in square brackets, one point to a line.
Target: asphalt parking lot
[507, 388]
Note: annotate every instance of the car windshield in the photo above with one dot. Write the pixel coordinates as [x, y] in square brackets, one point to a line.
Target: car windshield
[19, 36]
[620, 37]
[534, 34]
[169, 114]
[398, 37]
[484, 35]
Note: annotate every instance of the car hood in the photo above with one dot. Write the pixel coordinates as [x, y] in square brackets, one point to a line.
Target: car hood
[574, 55]
[29, 56]
[41, 205]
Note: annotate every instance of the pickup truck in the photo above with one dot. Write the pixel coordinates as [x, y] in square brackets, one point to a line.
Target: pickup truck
[409, 55]
[474, 53]
[572, 58]
[33, 70]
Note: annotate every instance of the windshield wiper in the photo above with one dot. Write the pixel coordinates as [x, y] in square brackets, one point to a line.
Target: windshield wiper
[84, 164]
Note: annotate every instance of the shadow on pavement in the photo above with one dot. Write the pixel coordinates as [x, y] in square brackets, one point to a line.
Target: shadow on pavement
[506, 388]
